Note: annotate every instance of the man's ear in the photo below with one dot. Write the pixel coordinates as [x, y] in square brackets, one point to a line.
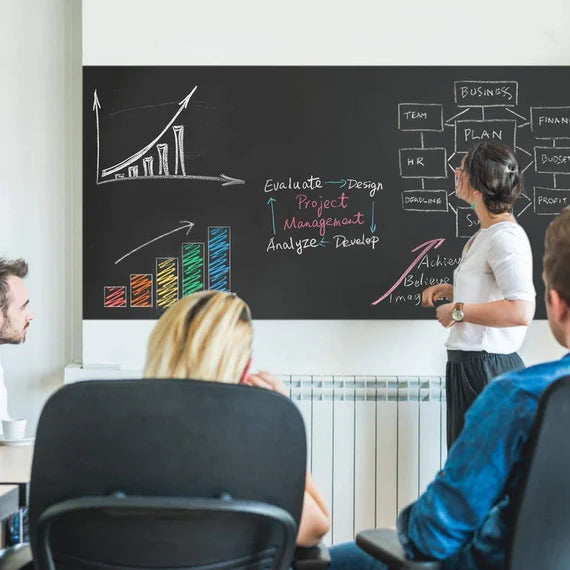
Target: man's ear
[558, 305]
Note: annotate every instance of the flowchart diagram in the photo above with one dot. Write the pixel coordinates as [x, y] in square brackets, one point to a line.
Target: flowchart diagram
[549, 127]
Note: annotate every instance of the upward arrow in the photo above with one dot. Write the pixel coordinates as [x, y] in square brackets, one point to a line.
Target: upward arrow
[96, 107]
[270, 202]
[186, 225]
[432, 243]
[184, 103]
[96, 104]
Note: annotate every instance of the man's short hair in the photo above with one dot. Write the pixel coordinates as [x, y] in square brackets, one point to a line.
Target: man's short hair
[556, 260]
[17, 268]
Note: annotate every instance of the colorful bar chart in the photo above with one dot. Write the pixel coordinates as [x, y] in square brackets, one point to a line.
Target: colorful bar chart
[200, 265]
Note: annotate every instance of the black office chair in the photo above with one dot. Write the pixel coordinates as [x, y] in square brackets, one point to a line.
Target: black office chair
[541, 532]
[165, 474]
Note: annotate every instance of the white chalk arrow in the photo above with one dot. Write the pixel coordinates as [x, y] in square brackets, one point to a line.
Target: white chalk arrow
[226, 180]
[229, 181]
[186, 226]
[96, 107]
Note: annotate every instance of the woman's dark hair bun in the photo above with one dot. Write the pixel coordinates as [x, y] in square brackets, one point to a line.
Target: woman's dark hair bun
[493, 169]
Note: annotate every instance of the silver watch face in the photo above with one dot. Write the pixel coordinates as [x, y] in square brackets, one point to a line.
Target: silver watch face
[457, 315]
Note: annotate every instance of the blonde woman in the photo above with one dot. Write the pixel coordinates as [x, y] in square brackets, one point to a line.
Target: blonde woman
[208, 336]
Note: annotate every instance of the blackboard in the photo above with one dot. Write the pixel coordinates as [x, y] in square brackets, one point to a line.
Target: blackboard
[311, 192]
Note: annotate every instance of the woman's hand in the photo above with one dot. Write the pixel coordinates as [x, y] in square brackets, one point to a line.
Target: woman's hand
[263, 379]
[443, 314]
[436, 292]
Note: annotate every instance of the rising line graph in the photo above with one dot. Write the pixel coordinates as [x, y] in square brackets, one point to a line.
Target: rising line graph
[152, 161]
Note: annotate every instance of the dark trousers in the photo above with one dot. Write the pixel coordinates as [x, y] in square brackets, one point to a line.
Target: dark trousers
[466, 375]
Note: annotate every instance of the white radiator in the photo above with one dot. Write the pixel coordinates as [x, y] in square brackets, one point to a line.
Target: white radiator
[374, 443]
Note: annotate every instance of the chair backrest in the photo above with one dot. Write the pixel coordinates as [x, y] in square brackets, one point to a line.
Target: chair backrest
[175, 441]
[541, 534]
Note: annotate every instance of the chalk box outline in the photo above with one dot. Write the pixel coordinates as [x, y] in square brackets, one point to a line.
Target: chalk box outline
[424, 149]
[554, 148]
[548, 108]
[485, 121]
[427, 191]
[535, 188]
[421, 130]
[516, 83]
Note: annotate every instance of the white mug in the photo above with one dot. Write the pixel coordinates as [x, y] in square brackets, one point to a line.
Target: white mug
[14, 429]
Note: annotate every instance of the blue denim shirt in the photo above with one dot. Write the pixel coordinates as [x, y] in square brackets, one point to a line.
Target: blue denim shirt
[465, 515]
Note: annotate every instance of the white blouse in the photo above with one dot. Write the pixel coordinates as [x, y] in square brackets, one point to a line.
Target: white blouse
[497, 265]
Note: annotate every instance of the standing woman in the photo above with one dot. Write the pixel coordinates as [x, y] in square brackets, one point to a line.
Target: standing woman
[493, 296]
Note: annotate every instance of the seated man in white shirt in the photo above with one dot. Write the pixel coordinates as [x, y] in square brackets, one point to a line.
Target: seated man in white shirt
[15, 313]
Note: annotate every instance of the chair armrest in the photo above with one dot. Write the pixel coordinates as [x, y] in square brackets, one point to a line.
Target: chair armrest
[384, 545]
[17, 557]
[312, 557]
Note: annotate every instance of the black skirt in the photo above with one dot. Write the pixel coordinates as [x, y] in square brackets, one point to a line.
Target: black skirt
[466, 375]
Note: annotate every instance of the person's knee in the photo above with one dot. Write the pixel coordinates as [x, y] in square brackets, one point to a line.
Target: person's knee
[347, 556]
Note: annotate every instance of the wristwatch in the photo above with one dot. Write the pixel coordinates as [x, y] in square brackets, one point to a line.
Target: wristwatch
[457, 314]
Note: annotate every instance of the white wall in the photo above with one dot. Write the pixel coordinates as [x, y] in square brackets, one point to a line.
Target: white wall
[40, 74]
[134, 32]
[327, 32]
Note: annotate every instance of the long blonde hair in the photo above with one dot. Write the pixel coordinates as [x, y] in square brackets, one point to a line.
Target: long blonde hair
[204, 336]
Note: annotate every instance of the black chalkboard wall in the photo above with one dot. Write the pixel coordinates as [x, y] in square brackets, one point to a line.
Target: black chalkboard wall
[311, 192]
